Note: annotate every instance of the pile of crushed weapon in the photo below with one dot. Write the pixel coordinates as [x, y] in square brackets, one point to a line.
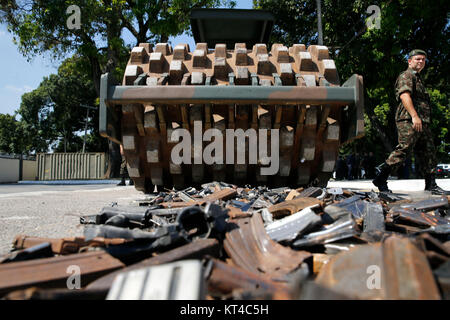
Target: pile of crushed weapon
[224, 242]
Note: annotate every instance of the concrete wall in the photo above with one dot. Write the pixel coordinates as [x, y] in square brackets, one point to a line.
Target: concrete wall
[9, 170]
[71, 166]
[29, 170]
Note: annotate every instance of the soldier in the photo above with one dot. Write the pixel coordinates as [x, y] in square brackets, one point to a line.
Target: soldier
[123, 170]
[413, 119]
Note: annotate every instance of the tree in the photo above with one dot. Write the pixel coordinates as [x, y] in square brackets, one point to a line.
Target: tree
[13, 135]
[377, 54]
[53, 110]
[40, 26]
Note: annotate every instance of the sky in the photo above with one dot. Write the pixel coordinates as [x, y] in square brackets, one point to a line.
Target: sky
[19, 76]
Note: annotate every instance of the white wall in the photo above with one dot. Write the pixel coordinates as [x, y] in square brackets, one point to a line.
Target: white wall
[9, 170]
[29, 170]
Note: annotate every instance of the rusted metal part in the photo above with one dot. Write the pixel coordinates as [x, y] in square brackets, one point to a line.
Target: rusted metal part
[234, 212]
[54, 272]
[319, 260]
[287, 95]
[447, 244]
[223, 278]
[292, 194]
[65, 245]
[195, 250]
[431, 243]
[442, 275]
[35, 293]
[313, 291]
[436, 252]
[292, 206]
[411, 266]
[250, 248]
[415, 217]
[395, 269]
[223, 194]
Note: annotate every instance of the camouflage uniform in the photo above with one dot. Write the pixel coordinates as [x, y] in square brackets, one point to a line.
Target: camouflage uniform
[123, 168]
[408, 138]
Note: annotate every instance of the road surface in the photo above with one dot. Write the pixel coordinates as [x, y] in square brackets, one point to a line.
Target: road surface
[53, 210]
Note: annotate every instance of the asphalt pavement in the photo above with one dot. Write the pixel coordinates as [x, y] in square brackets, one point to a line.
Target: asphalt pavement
[53, 210]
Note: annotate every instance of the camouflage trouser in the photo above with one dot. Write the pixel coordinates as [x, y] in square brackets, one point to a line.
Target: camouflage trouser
[123, 168]
[409, 139]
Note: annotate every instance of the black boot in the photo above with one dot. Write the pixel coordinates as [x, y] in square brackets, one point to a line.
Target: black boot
[380, 180]
[131, 183]
[430, 185]
[122, 182]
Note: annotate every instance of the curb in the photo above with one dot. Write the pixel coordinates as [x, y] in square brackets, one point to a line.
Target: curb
[69, 182]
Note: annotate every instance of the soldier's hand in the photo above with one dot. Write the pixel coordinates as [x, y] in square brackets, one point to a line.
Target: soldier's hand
[417, 123]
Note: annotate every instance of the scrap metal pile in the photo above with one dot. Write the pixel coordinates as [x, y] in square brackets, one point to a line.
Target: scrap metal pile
[225, 242]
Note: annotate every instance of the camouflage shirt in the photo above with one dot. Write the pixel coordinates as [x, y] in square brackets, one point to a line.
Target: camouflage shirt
[410, 81]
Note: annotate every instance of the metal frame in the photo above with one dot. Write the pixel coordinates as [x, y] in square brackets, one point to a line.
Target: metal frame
[349, 94]
[243, 17]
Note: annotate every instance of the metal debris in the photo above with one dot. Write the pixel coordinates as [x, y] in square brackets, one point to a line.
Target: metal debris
[344, 228]
[182, 280]
[373, 217]
[248, 243]
[291, 226]
[396, 268]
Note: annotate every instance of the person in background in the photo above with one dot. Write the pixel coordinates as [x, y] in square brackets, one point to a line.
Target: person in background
[413, 118]
[124, 170]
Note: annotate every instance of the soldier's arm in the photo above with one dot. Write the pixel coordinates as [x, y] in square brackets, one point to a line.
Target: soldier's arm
[409, 106]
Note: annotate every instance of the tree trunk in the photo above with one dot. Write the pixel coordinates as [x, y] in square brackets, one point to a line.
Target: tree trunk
[113, 33]
[96, 73]
[115, 160]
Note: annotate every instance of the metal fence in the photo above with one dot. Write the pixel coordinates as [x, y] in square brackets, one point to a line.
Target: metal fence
[71, 166]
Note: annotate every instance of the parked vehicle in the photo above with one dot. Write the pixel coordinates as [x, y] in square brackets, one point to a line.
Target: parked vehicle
[443, 170]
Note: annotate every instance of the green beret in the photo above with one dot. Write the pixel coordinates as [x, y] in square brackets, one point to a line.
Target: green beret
[416, 52]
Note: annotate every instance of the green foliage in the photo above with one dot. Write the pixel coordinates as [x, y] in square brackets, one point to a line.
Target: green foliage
[441, 124]
[13, 135]
[53, 112]
[379, 55]
[40, 26]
